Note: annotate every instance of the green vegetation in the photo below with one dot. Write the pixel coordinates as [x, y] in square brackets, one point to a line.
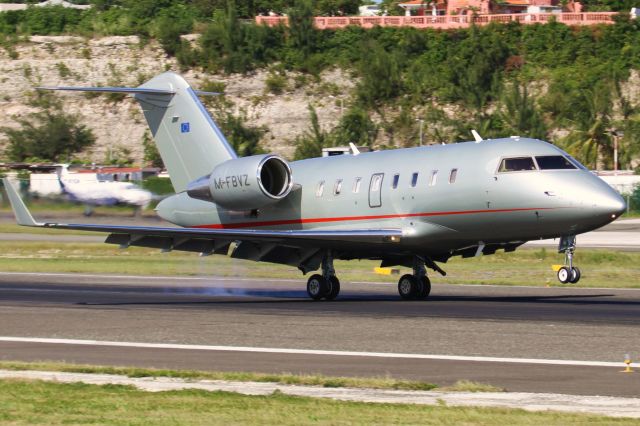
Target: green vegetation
[35, 402]
[600, 268]
[554, 82]
[49, 134]
[284, 379]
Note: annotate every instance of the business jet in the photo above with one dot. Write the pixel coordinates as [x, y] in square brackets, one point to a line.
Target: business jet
[95, 192]
[415, 207]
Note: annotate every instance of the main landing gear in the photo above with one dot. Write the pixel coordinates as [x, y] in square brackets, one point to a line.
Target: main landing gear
[411, 286]
[416, 286]
[568, 273]
[327, 285]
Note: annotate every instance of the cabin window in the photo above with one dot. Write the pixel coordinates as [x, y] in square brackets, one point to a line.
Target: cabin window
[414, 180]
[517, 164]
[338, 187]
[554, 162]
[356, 185]
[433, 178]
[396, 179]
[320, 189]
[453, 175]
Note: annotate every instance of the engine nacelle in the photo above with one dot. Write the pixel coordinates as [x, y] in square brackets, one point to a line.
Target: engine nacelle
[246, 183]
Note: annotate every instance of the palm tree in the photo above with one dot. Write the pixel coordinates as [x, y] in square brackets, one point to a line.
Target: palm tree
[590, 141]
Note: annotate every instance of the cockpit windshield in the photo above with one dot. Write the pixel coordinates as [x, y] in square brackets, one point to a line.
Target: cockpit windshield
[516, 164]
[554, 162]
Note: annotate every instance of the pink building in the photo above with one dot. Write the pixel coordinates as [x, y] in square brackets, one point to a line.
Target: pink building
[486, 7]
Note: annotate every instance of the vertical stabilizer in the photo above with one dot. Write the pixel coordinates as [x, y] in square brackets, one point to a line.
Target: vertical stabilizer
[189, 141]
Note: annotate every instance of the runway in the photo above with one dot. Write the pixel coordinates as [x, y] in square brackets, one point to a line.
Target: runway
[597, 325]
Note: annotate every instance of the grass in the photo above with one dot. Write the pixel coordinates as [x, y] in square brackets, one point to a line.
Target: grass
[284, 379]
[11, 228]
[469, 386]
[37, 402]
[600, 268]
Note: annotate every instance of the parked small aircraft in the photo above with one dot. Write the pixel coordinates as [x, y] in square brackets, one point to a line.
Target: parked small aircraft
[93, 193]
[413, 207]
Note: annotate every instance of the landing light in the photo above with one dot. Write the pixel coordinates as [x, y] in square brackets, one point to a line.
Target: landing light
[613, 216]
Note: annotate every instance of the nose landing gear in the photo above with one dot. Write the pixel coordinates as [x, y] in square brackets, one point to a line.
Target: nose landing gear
[568, 273]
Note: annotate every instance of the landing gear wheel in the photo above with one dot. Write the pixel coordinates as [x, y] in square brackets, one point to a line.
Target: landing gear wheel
[575, 275]
[317, 287]
[564, 275]
[408, 287]
[424, 288]
[334, 288]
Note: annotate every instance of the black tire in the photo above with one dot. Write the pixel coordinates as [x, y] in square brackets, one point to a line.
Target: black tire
[334, 288]
[424, 288]
[575, 275]
[564, 275]
[408, 287]
[317, 287]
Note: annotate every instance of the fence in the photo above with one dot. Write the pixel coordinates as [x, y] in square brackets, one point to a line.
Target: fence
[447, 21]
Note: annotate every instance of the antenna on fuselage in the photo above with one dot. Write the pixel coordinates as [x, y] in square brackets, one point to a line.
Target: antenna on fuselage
[476, 136]
[354, 149]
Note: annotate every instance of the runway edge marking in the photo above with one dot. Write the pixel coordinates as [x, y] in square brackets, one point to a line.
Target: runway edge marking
[142, 345]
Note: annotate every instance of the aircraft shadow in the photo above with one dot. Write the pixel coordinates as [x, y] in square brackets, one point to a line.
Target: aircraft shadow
[300, 297]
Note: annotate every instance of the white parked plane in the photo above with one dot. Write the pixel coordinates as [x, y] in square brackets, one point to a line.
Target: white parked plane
[94, 192]
[413, 207]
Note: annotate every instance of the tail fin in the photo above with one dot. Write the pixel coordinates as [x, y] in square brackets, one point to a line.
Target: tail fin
[189, 141]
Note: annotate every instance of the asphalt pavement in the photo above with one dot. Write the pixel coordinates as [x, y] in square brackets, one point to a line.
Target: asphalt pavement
[472, 322]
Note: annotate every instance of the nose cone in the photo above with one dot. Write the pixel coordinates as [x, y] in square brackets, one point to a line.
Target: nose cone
[616, 205]
[610, 204]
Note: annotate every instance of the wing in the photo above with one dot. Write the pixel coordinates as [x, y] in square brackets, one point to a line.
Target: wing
[301, 248]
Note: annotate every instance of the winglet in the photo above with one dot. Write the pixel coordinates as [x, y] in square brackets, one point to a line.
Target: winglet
[20, 211]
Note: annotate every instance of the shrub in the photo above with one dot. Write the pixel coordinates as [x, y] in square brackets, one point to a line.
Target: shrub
[49, 134]
[276, 83]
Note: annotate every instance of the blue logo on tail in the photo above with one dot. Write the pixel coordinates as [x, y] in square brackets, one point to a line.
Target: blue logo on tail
[185, 128]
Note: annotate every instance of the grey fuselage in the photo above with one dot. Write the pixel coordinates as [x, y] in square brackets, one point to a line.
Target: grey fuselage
[481, 207]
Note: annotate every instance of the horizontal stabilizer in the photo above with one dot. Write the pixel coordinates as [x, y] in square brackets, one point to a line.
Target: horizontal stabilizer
[22, 214]
[127, 90]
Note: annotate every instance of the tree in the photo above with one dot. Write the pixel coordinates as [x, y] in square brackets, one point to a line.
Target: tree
[476, 67]
[590, 140]
[151, 155]
[49, 134]
[244, 139]
[337, 7]
[356, 127]
[519, 113]
[302, 34]
[381, 76]
[234, 46]
[311, 142]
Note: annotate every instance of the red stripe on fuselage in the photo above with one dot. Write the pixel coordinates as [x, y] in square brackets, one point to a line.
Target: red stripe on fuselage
[356, 218]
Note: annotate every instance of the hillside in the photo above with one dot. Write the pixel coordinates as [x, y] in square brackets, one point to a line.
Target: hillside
[123, 60]
[296, 89]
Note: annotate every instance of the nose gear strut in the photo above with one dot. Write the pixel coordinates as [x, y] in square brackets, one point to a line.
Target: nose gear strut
[568, 273]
